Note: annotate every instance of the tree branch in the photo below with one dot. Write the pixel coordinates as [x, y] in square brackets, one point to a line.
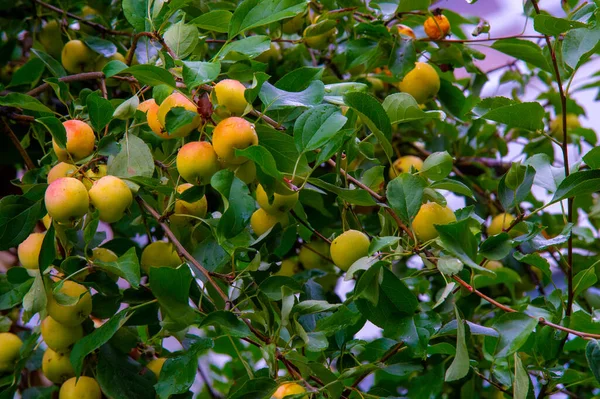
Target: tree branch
[71, 78]
[17, 143]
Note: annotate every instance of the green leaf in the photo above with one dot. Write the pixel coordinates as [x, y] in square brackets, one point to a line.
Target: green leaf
[579, 44]
[453, 185]
[196, 73]
[405, 196]
[402, 108]
[96, 339]
[127, 108]
[14, 294]
[496, 247]
[355, 196]
[592, 354]
[126, 267]
[514, 329]
[254, 13]
[28, 74]
[458, 240]
[274, 99]
[23, 101]
[239, 204]
[179, 117]
[299, 79]
[460, 365]
[413, 5]
[228, 323]
[53, 66]
[100, 111]
[535, 259]
[18, 216]
[35, 300]
[103, 47]
[513, 114]
[171, 287]
[214, 21]
[258, 388]
[134, 159]
[592, 158]
[137, 14]
[119, 376]
[524, 50]
[552, 26]
[374, 116]
[251, 47]
[521, 384]
[263, 159]
[584, 280]
[437, 166]
[315, 127]
[576, 184]
[314, 306]
[150, 75]
[182, 38]
[56, 129]
[48, 250]
[283, 150]
[113, 67]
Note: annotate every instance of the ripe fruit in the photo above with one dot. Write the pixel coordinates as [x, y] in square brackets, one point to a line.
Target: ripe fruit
[94, 174]
[289, 388]
[60, 337]
[437, 27]
[196, 208]
[231, 134]
[404, 30]
[310, 258]
[422, 82]
[82, 388]
[29, 250]
[50, 38]
[57, 366]
[71, 315]
[80, 141]
[159, 254]
[10, 347]
[403, 164]
[556, 126]
[77, 57]
[156, 365]
[61, 169]
[281, 203]
[230, 94]
[289, 267]
[429, 215]
[349, 247]
[150, 108]
[66, 200]
[500, 222]
[261, 221]
[111, 197]
[178, 100]
[197, 162]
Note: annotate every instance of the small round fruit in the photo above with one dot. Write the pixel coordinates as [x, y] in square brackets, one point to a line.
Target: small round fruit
[230, 94]
[82, 388]
[288, 268]
[71, 315]
[61, 169]
[29, 250]
[314, 255]
[197, 162]
[57, 366]
[272, 54]
[261, 221]
[111, 197]
[66, 200]
[246, 172]
[178, 100]
[403, 165]
[437, 27]
[431, 214]
[51, 38]
[319, 41]
[404, 30]
[10, 348]
[293, 25]
[349, 247]
[197, 208]
[59, 337]
[47, 221]
[556, 126]
[150, 108]
[159, 254]
[101, 63]
[77, 57]
[80, 141]
[500, 222]
[231, 134]
[281, 203]
[94, 174]
[422, 82]
[493, 265]
[156, 365]
[290, 388]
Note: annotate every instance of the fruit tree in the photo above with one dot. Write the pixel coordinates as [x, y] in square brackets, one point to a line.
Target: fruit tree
[298, 199]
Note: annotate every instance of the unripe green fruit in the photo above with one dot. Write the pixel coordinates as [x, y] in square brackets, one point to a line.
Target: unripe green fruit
[66, 200]
[159, 254]
[197, 162]
[229, 93]
[77, 57]
[349, 247]
[61, 169]
[29, 250]
[310, 258]
[173, 101]
[429, 215]
[231, 134]
[82, 388]
[556, 126]
[10, 348]
[281, 203]
[422, 82]
[156, 365]
[261, 221]
[111, 197]
[59, 337]
[71, 315]
[80, 141]
[51, 38]
[289, 267]
[57, 366]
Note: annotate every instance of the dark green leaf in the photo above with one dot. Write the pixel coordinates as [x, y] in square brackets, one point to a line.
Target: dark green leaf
[214, 21]
[405, 195]
[126, 267]
[514, 329]
[315, 127]
[373, 114]
[100, 111]
[53, 66]
[240, 203]
[18, 216]
[523, 50]
[253, 13]
[150, 75]
[460, 365]
[552, 26]
[119, 376]
[514, 114]
[196, 73]
[23, 101]
[577, 184]
[228, 323]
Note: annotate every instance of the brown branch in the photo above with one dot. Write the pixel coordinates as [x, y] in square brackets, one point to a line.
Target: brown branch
[15, 140]
[494, 383]
[134, 43]
[71, 78]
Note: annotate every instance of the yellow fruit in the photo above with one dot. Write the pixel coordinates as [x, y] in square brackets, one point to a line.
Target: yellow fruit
[230, 94]
[82, 388]
[10, 348]
[178, 100]
[261, 221]
[197, 162]
[405, 31]
[231, 134]
[500, 222]
[281, 203]
[111, 197]
[150, 108]
[71, 315]
[349, 247]
[289, 267]
[94, 174]
[310, 258]
[104, 255]
[293, 25]
[319, 41]
[289, 388]
[556, 126]
[51, 38]
[47, 221]
[422, 82]
[403, 165]
[66, 200]
[159, 254]
[196, 208]
[61, 169]
[156, 365]
[80, 141]
[59, 337]
[493, 265]
[429, 215]
[101, 63]
[57, 366]
[29, 250]
[77, 57]
[437, 27]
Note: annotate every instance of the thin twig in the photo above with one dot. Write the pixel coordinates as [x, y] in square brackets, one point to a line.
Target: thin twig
[28, 162]
[308, 226]
[71, 78]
